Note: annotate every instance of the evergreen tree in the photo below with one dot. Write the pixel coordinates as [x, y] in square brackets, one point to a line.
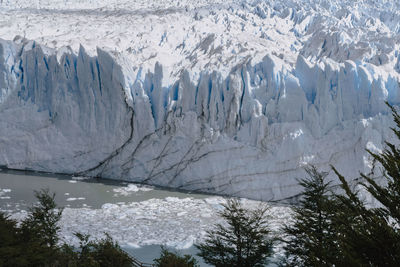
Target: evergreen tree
[368, 238]
[388, 194]
[310, 238]
[39, 231]
[42, 220]
[243, 241]
[11, 253]
[372, 235]
[99, 253]
[36, 241]
[171, 259]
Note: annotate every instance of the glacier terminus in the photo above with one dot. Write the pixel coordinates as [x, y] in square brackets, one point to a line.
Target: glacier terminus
[227, 97]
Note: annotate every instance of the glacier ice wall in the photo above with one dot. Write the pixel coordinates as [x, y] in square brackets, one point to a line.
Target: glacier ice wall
[59, 114]
[245, 133]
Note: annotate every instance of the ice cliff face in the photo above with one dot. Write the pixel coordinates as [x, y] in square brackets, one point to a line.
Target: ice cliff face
[235, 107]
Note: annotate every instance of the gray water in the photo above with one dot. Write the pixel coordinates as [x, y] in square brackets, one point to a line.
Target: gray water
[95, 192]
[17, 193]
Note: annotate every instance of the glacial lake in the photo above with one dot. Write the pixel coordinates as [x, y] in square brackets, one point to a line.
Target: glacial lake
[140, 217]
[17, 193]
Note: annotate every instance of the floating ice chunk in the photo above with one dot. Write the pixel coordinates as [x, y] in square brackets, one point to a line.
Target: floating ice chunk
[131, 188]
[172, 199]
[151, 222]
[3, 192]
[108, 206]
[206, 215]
[214, 200]
[179, 214]
[75, 198]
[125, 190]
[80, 178]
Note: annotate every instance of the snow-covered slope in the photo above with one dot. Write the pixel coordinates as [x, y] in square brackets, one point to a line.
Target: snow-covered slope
[226, 97]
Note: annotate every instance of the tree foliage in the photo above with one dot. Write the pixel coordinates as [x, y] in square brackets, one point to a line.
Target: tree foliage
[242, 241]
[36, 241]
[341, 229]
[99, 253]
[11, 254]
[38, 233]
[171, 259]
[41, 223]
[372, 234]
[310, 239]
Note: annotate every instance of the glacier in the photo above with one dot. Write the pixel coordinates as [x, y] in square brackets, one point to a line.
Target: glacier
[227, 98]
